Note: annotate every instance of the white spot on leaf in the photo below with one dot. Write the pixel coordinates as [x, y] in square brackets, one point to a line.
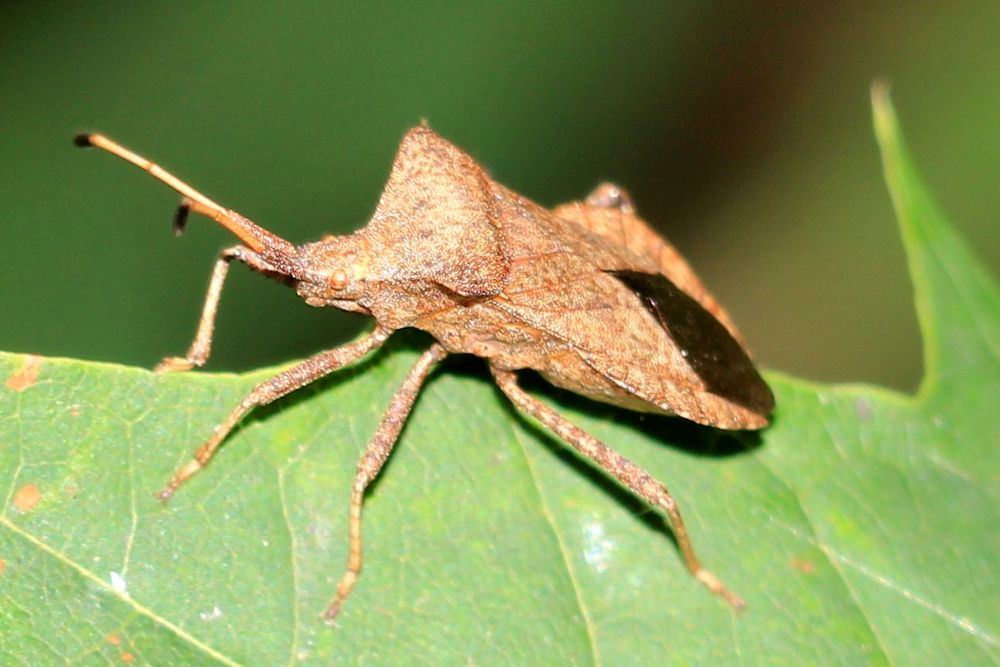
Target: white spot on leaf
[596, 547]
[211, 615]
[118, 583]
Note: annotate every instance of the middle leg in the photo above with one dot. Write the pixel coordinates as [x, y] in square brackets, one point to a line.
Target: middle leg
[375, 456]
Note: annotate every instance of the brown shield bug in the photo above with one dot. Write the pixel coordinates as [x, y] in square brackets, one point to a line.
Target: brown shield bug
[586, 294]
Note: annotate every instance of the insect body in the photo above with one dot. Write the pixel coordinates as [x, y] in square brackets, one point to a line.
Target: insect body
[586, 294]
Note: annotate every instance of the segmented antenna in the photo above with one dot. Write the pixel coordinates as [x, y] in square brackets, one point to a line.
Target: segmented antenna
[254, 236]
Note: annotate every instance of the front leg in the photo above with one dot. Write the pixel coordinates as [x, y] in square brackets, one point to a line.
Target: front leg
[201, 347]
[303, 373]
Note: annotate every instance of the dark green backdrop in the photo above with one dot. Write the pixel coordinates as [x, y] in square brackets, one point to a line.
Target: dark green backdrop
[742, 130]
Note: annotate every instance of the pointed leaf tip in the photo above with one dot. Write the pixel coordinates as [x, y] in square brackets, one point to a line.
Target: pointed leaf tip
[956, 309]
[885, 114]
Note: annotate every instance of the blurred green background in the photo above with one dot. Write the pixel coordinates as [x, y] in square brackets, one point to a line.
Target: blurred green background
[742, 130]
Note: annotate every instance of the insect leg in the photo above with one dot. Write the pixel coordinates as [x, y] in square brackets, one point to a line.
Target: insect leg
[378, 450]
[272, 389]
[640, 482]
[201, 347]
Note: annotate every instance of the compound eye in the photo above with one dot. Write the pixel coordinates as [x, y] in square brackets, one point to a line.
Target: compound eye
[339, 279]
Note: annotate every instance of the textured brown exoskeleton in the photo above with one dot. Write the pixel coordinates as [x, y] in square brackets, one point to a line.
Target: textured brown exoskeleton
[586, 294]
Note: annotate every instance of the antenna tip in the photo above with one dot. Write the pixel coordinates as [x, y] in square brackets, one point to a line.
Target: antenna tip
[83, 140]
[180, 218]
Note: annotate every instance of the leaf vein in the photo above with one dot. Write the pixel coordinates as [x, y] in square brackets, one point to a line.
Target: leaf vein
[97, 581]
[564, 553]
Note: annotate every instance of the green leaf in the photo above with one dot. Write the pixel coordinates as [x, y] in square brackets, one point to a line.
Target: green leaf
[861, 527]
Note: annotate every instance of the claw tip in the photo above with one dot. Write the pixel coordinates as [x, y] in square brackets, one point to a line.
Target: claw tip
[330, 615]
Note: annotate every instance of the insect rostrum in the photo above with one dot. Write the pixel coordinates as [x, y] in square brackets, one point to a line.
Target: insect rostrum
[586, 294]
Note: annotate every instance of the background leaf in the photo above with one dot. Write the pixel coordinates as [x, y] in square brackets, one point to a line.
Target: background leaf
[740, 127]
[860, 527]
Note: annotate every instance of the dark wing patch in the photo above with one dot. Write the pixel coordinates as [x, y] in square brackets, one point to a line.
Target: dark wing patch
[713, 354]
